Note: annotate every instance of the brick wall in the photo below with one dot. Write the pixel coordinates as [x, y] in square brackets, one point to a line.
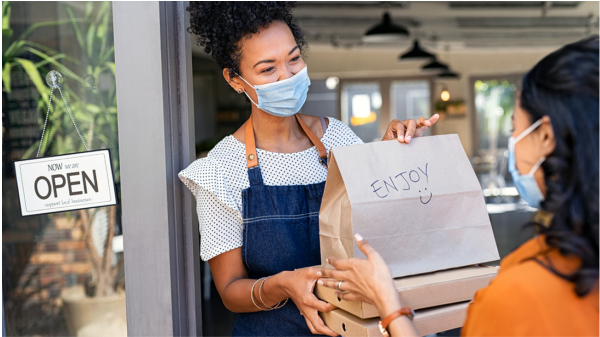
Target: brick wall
[60, 259]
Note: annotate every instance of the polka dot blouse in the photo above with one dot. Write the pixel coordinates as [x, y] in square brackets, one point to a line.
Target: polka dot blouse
[217, 182]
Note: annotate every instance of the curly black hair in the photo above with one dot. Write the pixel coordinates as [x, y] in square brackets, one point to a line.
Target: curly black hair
[564, 86]
[222, 25]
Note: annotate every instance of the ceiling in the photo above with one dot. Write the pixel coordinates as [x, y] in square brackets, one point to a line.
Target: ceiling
[451, 25]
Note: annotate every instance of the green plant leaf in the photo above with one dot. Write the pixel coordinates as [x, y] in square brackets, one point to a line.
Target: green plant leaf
[75, 26]
[12, 50]
[90, 39]
[29, 152]
[34, 75]
[7, 33]
[111, 66]
[45, 62]
[106, 56]
[89, 7]
[47, 50]
[42, 24]
[103, 10]
[6, 76]
[64, 70]
[6, 10]
[93, 108]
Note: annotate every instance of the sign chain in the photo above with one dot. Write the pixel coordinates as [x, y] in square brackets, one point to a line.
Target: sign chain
[45, 123]
[69, 110]
[54, 80]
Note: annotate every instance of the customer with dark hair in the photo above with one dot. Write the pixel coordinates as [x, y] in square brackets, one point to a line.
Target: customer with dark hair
[549, 285]
[259, 190]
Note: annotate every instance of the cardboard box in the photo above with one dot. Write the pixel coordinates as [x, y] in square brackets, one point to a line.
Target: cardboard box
[422, 291]
[427, 321]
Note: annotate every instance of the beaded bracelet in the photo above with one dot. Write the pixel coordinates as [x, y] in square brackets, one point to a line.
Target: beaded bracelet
[277, 306]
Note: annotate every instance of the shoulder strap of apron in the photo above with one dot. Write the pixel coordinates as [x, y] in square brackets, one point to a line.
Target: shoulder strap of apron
[252, 158]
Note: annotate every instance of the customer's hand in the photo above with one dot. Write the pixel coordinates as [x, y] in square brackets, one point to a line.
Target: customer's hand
[408, 129]
[368, 280]
[300, 286]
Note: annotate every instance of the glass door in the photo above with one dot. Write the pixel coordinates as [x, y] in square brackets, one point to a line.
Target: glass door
[63, 272]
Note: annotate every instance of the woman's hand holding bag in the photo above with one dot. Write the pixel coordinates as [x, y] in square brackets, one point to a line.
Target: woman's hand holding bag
[408, 129]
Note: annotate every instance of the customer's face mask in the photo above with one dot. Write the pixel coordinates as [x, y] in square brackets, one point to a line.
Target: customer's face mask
[526, 184]
[282, 98]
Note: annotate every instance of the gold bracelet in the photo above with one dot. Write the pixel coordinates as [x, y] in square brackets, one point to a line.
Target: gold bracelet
[252, 294]
[277, 306]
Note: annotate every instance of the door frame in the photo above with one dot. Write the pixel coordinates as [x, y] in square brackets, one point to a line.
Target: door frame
[156, 140]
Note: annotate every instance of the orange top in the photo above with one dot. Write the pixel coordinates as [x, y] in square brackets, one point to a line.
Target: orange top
[526, 299]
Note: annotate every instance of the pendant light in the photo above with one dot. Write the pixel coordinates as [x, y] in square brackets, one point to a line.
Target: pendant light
[416, 53]
[448, 75]
[445, 94]
[385, 31]
[435, 65]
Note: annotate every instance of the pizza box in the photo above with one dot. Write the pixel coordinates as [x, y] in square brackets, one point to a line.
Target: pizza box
[422, 291]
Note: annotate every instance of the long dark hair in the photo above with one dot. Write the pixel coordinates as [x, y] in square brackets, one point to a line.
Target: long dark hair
[564, 86]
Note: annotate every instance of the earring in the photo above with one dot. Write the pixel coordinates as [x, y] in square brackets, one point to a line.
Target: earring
[239, 91]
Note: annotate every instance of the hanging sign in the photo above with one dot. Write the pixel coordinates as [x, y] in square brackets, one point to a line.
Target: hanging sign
[65, 183]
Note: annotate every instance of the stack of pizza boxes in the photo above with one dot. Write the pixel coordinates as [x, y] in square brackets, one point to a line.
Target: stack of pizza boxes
[440, 300]
[421, 207]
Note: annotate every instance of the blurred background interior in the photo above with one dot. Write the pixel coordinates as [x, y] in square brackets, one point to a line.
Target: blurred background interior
[369, 63]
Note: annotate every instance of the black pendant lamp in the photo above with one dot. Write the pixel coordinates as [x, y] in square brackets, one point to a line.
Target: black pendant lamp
[416, 53]
[385, 31]
[448, 75]
[435, 65]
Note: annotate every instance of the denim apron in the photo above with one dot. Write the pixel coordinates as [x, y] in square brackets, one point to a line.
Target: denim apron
[281, 232]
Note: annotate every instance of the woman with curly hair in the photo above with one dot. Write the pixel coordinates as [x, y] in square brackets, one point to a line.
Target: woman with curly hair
[259, 190]
[549, 285]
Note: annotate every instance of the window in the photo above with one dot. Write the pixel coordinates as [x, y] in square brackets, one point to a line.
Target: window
[494, 105]
[410, 100]
[361, 104]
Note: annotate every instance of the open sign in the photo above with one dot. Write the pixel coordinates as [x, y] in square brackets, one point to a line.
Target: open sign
[65, 182]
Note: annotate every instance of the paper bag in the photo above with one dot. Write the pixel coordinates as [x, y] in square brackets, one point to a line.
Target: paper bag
[419, 205]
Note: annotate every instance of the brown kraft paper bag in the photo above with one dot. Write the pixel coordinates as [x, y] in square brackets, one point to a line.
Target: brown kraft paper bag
[419, 205]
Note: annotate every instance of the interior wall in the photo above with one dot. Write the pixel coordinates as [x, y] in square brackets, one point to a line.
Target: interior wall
[326, 61]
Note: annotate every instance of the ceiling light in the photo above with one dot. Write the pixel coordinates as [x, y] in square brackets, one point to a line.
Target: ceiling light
[332, 82]
[435, 65]
[445, 95]
[448, 75]
[385, 31]
[416, 53]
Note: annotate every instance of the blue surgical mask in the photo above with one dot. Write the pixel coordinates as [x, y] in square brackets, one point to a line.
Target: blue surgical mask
[282, 98]
[525, 183]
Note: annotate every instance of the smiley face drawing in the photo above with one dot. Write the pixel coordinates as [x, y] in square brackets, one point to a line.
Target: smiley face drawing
[428, 200]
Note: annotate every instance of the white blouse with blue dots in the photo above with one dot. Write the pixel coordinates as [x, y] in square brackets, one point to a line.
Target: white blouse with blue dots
[218, 179]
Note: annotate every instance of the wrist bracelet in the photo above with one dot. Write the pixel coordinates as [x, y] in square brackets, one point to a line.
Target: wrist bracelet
[252, 294]
[383, 324]
[277, 306]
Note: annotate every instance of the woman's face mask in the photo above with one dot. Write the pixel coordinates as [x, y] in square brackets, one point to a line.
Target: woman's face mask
[282, 98]
[525, 183]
